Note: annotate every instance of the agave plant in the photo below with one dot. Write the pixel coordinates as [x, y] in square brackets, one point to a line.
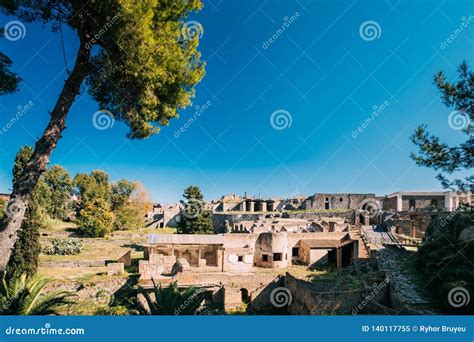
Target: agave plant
[174, 301]
[23, 296]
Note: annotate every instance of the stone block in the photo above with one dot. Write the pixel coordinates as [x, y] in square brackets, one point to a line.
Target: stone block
[115, 268]
[126, 258]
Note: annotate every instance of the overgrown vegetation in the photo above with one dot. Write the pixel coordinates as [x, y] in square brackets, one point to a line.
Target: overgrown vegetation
[195, 219]
[171, 300]
[106, 206]
[24, 257]
[445, 259]
[63, 247]
[24, 296]
[143, 52]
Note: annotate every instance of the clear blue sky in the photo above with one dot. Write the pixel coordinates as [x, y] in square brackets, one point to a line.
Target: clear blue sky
[319, 70]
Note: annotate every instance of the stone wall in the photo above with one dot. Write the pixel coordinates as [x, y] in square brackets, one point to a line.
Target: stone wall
[322, 201]
[412, 224]
[238, 260]
[75, 263]
[390, 203]
[422, 202]
[349, 215]
[219, 219]
[309, 300]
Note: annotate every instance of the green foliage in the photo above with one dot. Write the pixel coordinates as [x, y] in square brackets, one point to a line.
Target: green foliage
[8, 80]
[193, 192]
[121, 192]
[59, 183]
[152, 67]
[200, 224]
[64, 247]
[20, 296]
[93, 186]
[194, 218]
[124, 203]
[3, 204]
[145, 65]
[129, 217]
[21, 159]
[174, 301]
[53, 190]
[24, 258]
[95, 219]
[440, 156]
[445, 259]
[129, 214]
[112, 311]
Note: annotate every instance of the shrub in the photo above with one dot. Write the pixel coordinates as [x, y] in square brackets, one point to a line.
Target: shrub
[445, 257]
[95, 220]
[112, 311]
[2, 206]
[64, 247]
[23, 296]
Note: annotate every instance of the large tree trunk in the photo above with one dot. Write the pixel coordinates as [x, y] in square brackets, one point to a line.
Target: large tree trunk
[25, 185]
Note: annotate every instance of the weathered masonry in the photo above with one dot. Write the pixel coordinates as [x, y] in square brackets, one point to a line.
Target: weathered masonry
[437, 201]
[239, 253]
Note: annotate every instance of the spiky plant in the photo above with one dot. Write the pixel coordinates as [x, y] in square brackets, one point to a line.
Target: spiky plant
[174, 301]
[23, 296]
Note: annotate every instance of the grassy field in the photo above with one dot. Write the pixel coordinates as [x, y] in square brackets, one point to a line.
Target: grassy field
[109, 248]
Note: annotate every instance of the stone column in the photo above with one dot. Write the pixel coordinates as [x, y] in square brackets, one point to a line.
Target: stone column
[399, 203]
[339, 258]
[264, 206]
[251, 206]
[243, 206]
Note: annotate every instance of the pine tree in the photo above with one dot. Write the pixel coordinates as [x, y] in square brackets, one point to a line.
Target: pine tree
[141, 69]
[194, 218]
[440, 156]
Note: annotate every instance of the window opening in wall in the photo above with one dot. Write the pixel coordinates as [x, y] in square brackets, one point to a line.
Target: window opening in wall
[245, 296]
